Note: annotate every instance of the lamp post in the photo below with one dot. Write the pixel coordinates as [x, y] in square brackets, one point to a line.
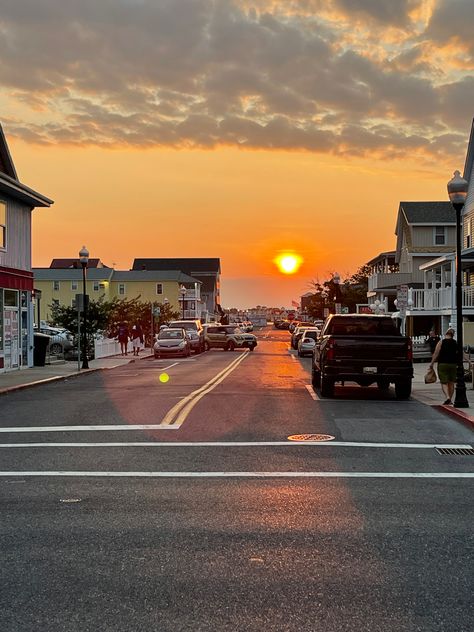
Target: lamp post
[182, 291]
[84, 259]
[457, 191]
[37, 294]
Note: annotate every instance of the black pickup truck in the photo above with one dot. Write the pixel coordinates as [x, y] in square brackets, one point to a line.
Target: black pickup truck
[365, 349]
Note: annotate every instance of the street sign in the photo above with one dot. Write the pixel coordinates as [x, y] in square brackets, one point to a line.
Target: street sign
[402, 299]
[80, 302]
[338, 307]
[156, 311]
[345, 310]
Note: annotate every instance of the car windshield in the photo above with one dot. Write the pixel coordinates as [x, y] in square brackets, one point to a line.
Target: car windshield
[170, 334]
[185, 325]
[310, 334]
[362, 327]
[232, 330]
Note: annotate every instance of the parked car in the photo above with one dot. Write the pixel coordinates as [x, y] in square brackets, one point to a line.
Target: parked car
[228, 337]
[297, 334]
[172, 342]
[362, 348]
[249, 325]
[61, 340]
[307, 342]
[194, 330]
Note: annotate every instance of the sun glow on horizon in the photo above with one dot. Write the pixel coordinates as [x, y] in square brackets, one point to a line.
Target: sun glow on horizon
[288, 262]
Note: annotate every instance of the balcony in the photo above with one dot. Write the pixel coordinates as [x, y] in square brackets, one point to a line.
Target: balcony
[441, 299]
[384, 280]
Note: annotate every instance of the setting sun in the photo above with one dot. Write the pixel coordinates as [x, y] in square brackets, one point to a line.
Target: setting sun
[288, 263]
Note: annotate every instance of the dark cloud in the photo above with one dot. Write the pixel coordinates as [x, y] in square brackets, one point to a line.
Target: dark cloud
[199, 73]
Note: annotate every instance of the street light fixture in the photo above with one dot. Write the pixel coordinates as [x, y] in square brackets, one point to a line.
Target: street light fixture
[84, 259]
[182, 291]
[457, 191]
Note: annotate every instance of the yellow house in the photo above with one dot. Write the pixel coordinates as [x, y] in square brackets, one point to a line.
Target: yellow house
[61, 285]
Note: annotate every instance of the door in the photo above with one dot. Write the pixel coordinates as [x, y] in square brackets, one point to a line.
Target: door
[11, 338]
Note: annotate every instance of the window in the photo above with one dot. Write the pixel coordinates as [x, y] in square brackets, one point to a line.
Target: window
[159, 288]
[56, 286]
[3, 225]
[55, 302]
[73, 285]
[121, 289]
[440, 235]
[95, 286]
[467, 230]
[73, 303]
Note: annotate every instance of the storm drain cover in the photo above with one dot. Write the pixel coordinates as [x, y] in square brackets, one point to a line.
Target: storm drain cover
[456, 451]
[310, 437]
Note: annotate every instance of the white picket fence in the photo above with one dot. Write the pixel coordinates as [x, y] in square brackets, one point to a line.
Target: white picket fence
[105, 347]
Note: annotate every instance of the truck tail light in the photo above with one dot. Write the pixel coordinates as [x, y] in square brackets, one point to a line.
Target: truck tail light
[330, 351]
[409, 351]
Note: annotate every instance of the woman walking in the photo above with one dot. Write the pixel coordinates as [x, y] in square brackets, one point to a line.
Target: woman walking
[446, 355]
[137, 339]
[123, 336]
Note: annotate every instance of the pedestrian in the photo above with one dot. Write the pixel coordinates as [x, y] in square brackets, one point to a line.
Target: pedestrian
[137, 339]
[446, 355]
[123, 336]
[432, 340]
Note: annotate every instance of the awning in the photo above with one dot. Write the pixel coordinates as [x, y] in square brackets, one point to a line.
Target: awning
[13, 279]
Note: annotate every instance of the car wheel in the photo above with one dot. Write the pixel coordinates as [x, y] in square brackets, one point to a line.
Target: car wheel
[56, 349]
[315, 378]
[300, 355]
[251, 347]
[327, 386]
[230, 346]
[403, 389]
[157, 356]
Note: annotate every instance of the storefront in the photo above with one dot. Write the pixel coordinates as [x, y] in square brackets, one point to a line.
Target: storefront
[16, 323]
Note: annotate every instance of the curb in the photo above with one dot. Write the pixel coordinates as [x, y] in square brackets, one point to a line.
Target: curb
[457, 414]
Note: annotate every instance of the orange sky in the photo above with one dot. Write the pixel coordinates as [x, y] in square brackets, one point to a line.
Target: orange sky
[241, 206]
[234, 129]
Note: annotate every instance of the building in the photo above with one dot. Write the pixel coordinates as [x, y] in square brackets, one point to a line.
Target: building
[63, 280]
[17, 202]
[207, 271]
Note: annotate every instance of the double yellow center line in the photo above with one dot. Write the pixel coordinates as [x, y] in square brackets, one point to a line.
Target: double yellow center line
[178, 414]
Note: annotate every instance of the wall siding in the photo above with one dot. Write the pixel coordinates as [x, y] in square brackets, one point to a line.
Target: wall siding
[468, 213]
[18, 252]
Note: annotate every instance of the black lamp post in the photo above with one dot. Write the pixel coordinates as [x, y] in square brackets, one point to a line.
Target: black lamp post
[84, 259]
[37, 294]
[182, 291]
[457, 191]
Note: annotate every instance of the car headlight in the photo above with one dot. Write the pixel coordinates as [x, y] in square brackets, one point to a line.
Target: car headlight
[182, 343]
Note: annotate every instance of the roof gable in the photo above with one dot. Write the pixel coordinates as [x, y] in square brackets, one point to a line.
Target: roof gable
[429, 212]
[469, 155]
[188, 265]
[6, 163]
[61, 264]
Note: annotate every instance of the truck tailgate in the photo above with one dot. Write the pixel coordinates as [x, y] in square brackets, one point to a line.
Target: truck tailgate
[370, 348]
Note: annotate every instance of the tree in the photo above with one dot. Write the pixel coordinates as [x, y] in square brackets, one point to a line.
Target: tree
[136, 312]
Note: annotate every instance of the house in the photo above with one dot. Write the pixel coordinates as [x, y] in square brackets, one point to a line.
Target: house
[61, 285]
[206, 270]
[436, 299]
[17, 202]
[425, 232]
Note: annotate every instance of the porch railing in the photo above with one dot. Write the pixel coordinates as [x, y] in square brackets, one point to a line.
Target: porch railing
[440, 299]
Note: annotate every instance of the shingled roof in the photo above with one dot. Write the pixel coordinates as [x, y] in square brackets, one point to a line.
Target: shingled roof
[428, 212]
[58, 264]
[187, 265]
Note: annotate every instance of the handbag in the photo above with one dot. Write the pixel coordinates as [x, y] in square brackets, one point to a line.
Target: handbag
[430, 376]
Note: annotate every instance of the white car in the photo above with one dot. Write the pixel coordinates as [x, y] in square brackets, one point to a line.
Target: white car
[307, 342]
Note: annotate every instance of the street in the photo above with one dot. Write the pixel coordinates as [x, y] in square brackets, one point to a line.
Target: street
[166, 495]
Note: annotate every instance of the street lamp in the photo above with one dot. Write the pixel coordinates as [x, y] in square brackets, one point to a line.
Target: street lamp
[182, 291]
[84, 259]
[457, 191]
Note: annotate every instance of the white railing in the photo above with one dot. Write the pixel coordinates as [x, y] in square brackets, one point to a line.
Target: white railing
[440, 299]
[105, 347]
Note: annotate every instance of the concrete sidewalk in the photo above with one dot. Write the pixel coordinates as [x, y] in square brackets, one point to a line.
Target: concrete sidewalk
[17, 380]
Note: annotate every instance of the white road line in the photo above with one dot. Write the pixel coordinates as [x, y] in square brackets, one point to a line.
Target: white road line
[168, 367]
[82, 474]
[236, 444]
[132, 427]
[311, 391]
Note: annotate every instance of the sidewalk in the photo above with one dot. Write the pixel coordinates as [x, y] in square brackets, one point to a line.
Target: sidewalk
[17, 380]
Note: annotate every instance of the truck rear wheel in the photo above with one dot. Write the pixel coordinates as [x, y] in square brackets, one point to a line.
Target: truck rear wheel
[403, 389]
[315, 378]
[327, 386]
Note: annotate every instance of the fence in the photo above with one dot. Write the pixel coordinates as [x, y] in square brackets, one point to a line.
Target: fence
[105, 347]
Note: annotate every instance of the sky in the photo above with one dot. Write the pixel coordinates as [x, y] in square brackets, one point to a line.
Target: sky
[237, 129]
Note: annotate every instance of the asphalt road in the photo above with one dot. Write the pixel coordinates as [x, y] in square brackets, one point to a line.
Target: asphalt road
[130, 503]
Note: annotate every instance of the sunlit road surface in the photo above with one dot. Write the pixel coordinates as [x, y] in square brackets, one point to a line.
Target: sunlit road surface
[131, 503]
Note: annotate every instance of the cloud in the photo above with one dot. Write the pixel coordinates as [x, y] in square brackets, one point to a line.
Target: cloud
[263, 74]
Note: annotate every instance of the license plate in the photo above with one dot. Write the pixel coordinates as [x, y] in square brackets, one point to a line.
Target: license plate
[370, 369]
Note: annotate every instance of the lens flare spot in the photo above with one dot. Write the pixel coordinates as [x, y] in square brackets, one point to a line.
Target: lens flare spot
[288, 262]
[164, 377]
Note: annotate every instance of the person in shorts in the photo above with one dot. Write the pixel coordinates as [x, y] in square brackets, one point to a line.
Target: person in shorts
[137, 339]
[446, 355]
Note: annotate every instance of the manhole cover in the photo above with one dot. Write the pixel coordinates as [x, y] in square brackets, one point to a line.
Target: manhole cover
[311, 437]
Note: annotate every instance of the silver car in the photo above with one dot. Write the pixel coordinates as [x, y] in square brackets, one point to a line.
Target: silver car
[172, 342]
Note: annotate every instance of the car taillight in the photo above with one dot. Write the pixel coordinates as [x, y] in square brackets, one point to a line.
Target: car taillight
[330, 351]
[409, 351]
